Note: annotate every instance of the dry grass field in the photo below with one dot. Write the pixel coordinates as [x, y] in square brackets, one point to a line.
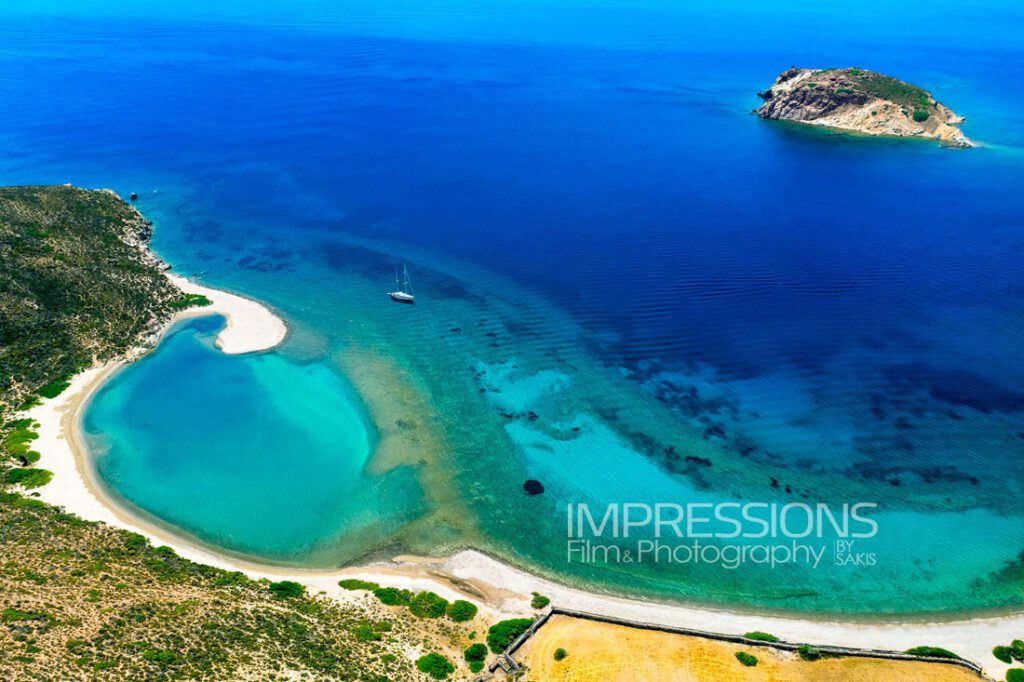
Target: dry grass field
[600, 652]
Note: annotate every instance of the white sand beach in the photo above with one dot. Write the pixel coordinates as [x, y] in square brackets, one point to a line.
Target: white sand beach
[251, 326]
[498, 588]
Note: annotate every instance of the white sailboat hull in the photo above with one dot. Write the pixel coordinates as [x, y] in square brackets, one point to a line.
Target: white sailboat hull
[401, 296]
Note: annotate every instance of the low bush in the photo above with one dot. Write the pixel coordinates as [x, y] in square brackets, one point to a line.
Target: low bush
[287, 589]
[932, 651]
[560, 654]
[761, 636]
[539, 601]
[920, 116]
[355, 584]
[501, 634]
[1003, 653]
[461, 610]
[29, 478]
[1015, 675]
[475, 655]
[392, 596]
[28, 458]
[475, 652]
[427, 605]
[808, 653]
[190, 301]
[435, 665]
[365, 632]
[231, 579]
[54, 388]
[746, 659]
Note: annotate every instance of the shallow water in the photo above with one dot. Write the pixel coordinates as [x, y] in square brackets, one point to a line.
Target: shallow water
[257, 454]
[599, 232]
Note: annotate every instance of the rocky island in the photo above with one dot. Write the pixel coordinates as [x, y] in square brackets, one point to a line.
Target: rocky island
[860, 101]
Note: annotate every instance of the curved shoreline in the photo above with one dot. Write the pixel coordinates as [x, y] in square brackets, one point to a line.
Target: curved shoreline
[502, 589]
[251, 326]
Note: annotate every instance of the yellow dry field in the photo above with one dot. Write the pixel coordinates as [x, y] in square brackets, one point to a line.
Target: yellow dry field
[600, 652]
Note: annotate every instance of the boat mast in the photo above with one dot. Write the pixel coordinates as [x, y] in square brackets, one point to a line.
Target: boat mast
[407, 287]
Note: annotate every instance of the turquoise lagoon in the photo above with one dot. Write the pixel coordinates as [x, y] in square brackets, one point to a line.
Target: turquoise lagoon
[268, 459]
[629, 287]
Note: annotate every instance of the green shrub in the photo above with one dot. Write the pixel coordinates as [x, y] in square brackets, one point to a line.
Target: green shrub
[365, 632]
[1015, 675]
[808, 653]
[29, 457]
[500, 635]
[287, 589]
[761, 636]
[163, 657]
[231, 579]
[10, 615]
[1003, 653]
[921, 116]
[461, 610]
[932, 651]
[427, 605]
[1017, 650]
[54, 388]
[356, 584]
[190, 301]
[539, 601]
[435, 665]
[16, 442]
[475, 652]
[746, 659]
[29, 478]
[392, 596]
[560, 654]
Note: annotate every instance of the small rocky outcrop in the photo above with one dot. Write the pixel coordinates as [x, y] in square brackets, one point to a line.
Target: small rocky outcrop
[861, 101]
[533, 487]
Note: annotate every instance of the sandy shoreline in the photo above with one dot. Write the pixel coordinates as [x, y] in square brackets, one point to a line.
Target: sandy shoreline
[251, 326]
[499, 588]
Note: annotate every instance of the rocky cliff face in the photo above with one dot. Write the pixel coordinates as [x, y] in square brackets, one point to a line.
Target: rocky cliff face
[861, 101]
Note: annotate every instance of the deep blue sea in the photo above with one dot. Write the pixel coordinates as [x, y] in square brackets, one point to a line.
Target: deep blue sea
[630, 288]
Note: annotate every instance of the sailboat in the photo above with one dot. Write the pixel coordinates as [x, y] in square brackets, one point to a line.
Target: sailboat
[403, 290]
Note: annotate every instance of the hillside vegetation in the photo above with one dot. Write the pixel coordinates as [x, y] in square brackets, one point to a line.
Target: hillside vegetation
[76, 285]
[81, 600]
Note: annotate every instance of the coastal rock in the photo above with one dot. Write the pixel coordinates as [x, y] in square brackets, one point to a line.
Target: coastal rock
[533, 487]
[860, 101]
